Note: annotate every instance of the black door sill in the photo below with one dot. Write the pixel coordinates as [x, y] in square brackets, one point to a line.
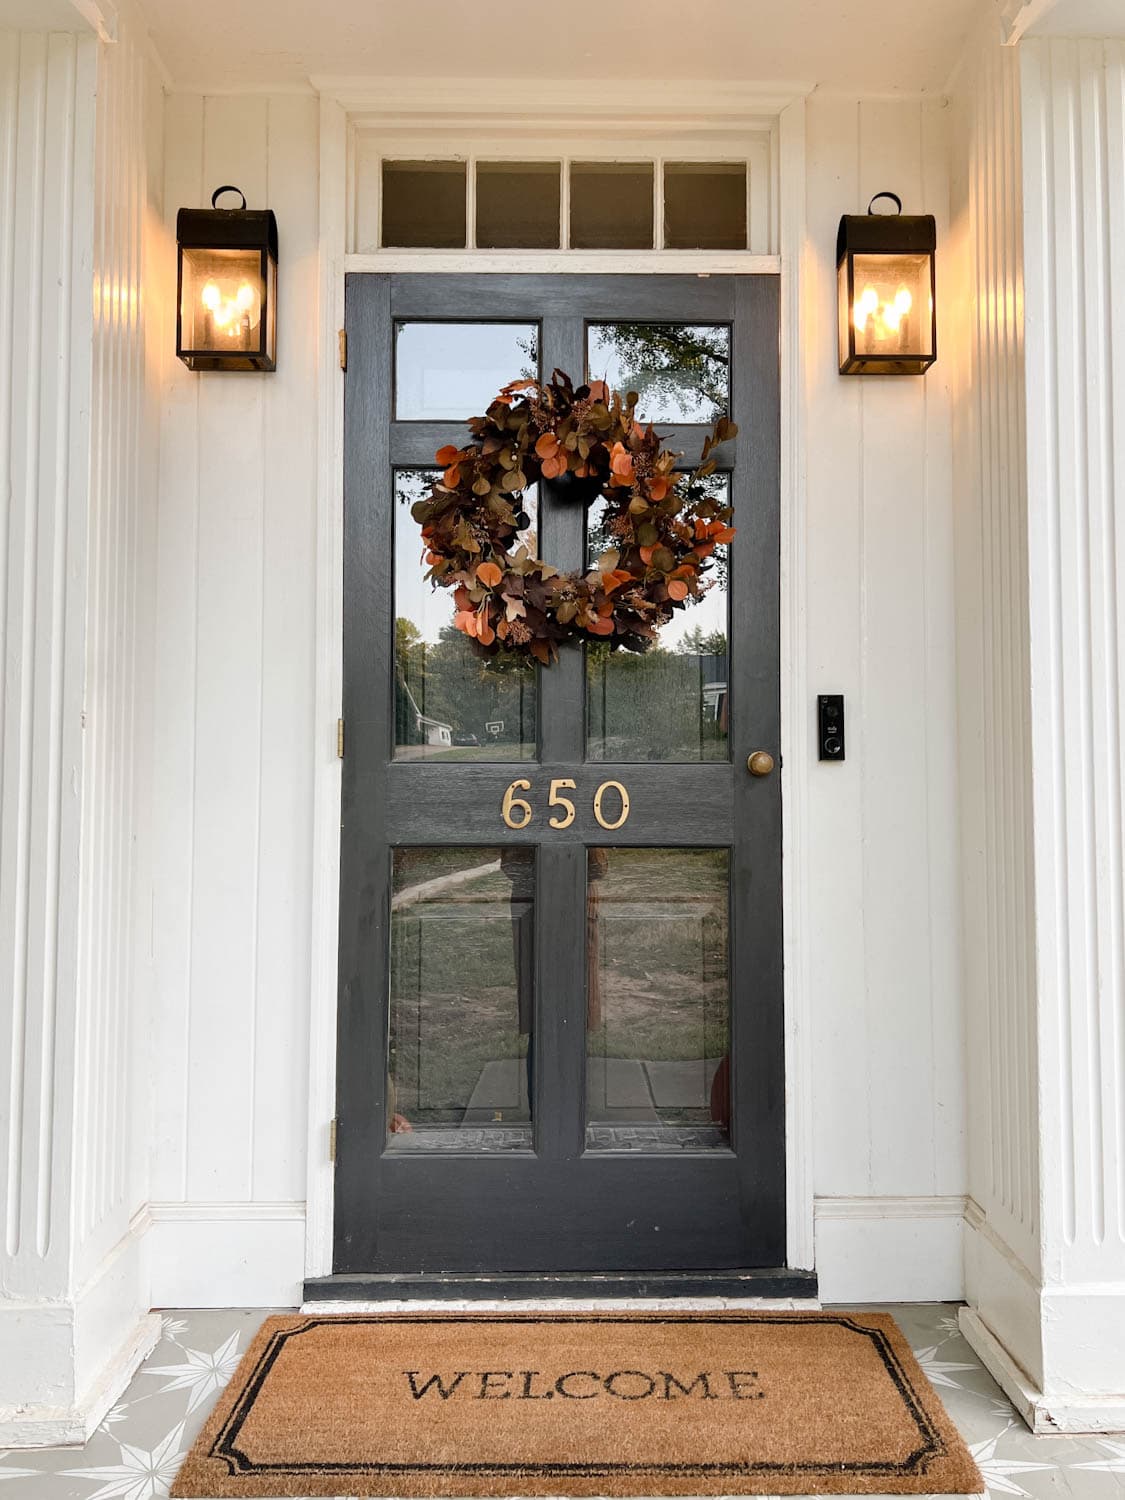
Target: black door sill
[509, 1285]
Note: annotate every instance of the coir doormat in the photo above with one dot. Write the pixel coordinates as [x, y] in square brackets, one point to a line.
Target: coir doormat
[579, 1404]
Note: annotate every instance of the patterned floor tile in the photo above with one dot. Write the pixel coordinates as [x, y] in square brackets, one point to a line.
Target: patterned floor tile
[135, 1453]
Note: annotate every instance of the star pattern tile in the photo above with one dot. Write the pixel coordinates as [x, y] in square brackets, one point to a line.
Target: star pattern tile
[138, 1449]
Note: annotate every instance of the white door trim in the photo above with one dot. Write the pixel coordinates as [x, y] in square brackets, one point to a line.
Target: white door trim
[796, 731]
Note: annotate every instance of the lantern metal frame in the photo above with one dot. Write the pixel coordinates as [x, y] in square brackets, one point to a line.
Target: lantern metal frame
[246, 229]
[885, 234]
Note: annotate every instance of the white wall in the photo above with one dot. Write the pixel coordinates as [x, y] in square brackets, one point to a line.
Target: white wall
[883, 923]
[80, 132]
[233, 795]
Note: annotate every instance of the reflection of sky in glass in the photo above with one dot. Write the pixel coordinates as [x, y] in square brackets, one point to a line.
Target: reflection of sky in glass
[680, 370]
[447, 372]
[416, 599]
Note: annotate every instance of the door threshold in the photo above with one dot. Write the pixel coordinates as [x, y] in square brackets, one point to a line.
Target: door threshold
[777, 1286]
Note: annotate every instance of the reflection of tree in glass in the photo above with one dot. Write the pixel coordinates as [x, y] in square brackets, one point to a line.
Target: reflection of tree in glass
[529, 348]
[687, 365]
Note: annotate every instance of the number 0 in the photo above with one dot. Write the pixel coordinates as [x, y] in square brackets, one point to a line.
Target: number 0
[622, 793]
[511, 801]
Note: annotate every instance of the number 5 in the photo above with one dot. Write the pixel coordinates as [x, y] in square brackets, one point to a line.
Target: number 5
[554, 800]
[511, 802]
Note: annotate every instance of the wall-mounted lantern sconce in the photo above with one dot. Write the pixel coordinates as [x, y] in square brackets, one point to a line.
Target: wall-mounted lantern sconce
[885, 290]
[226, 318]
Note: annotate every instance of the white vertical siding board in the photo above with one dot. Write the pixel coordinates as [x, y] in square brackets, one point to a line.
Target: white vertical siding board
[946, 1019]
[289, 632]
[228, 719]
[899, 732]
[841, 1078]
[175, 670]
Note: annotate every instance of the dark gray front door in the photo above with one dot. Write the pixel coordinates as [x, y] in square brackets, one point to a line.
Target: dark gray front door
[560, 1023]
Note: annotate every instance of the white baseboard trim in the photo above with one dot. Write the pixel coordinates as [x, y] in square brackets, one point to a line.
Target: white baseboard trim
[889, 1249]
[1042, 1413]
[227, 1254]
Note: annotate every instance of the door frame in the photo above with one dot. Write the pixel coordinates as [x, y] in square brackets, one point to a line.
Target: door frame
[337, 108]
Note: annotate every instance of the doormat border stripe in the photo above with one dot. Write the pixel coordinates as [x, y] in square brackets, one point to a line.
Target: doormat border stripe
[928, 1415]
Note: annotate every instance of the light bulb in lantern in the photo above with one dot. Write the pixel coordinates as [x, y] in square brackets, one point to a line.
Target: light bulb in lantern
[866, 303]
[903, 301]
[245, 298]
[211, 296]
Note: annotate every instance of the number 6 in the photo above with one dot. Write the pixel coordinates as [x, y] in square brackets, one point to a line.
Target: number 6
[554, 800]
[511, 802]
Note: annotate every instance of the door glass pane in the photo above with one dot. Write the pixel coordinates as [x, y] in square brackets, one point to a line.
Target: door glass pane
[611, 205]
[462, 967]
[518, 205]
[424, 204]
[658, 1000]
[670, 702]
[705, 205]
[446, 372]
[450, 702]
[681, 371]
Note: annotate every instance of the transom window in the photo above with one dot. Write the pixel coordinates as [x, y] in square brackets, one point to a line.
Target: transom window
[497, 203]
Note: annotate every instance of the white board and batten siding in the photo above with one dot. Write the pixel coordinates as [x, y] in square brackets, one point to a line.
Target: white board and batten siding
[234, 762]
[236, 570]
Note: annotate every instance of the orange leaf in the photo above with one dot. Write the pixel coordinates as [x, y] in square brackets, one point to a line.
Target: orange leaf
[677, 589]
[461, 597]
[658, 488]
[600, 625]
[452, 477]
[722, 533]
[489, 574]
[599, 391]
[554, 466]
[546, 445]
[646, 555]
[703, 549]
[466, 620]
[445, 456]
[485, 633]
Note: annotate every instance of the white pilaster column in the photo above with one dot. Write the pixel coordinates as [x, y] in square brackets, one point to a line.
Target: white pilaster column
[73, 1297]
[1045, 1266]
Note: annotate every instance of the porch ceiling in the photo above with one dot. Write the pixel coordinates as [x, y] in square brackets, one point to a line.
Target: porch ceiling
[865, 45]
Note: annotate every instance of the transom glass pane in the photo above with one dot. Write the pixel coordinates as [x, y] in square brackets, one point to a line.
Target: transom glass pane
[705, 205]
[450, 702]
[518, 205]
[611, 205]
[681, 371]
[658, 999]
[671, 702]
[446, 372]
[424, 204]
[461, 1001]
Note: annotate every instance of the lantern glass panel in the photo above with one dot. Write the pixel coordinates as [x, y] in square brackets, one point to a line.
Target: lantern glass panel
[221, 301]
[891, 306]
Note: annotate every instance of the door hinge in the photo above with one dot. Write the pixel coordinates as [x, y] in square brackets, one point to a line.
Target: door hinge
[332, 1139]
[339, 739]
[343, 348]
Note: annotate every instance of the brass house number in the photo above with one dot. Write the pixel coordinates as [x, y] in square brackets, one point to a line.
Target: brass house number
[517, 812]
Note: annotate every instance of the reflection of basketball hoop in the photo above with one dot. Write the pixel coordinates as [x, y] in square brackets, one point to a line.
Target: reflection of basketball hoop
[495, 729]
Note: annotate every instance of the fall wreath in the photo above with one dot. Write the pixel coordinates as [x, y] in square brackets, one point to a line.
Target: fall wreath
[583, 441]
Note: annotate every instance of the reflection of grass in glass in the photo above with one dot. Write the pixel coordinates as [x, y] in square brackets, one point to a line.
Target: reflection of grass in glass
[663, 955]
[454, 1007]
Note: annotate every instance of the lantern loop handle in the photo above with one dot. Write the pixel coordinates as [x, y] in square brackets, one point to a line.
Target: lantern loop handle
[229, 187]
[894, 197]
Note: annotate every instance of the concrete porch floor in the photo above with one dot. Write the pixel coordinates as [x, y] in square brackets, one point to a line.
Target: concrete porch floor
[136, 1452]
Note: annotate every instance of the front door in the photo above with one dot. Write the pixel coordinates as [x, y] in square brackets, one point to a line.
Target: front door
[560, 1024]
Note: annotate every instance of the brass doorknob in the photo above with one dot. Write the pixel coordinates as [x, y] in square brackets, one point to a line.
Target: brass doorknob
[760, 763]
